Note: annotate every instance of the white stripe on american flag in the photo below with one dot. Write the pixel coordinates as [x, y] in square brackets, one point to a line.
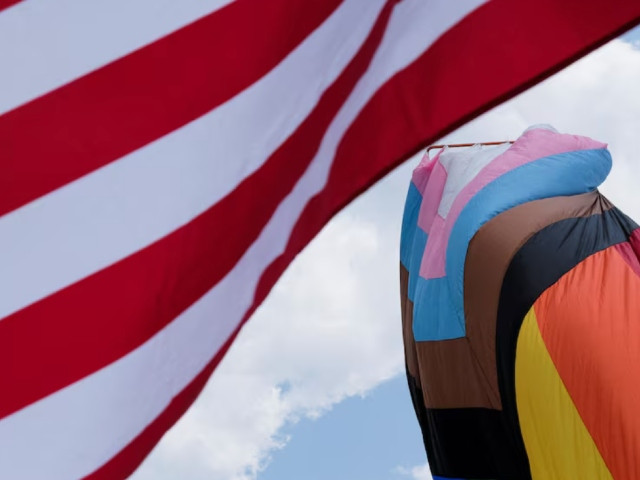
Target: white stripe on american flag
[75, 37]
[72, 432]
[132, 202]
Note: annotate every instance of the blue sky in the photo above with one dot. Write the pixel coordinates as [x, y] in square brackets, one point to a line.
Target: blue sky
[632, 35]
[362, 438]
[314, 386]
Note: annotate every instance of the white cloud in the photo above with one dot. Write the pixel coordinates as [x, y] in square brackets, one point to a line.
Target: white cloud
[419, 472]
[330, 329]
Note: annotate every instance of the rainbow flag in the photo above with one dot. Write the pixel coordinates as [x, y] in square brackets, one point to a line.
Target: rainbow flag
[520, 288]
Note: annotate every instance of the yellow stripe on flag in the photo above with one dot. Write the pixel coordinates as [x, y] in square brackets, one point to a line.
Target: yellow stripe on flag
[557, 442]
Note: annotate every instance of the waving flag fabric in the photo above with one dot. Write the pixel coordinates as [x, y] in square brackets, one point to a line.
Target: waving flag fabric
[161, 163]
[520, 291]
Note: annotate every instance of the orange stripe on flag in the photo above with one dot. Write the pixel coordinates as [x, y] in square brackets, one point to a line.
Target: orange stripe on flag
[590, 323]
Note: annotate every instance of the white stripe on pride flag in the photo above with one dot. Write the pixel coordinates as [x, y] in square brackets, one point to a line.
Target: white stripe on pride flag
[45, 44]
[74, 431]
[128, 204]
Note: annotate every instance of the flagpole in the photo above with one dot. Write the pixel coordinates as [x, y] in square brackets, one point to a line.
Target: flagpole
[458, 145]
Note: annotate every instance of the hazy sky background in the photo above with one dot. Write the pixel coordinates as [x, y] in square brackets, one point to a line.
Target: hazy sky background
[314, 386]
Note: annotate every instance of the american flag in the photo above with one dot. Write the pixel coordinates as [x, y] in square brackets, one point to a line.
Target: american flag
[162, 162]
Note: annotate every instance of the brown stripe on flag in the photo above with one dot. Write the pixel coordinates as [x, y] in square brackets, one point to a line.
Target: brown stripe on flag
[406, 307]
[452, 376]
[147, 94]
[473, 357]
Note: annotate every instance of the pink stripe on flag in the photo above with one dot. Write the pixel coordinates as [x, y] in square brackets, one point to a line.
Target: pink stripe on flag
[422, 173]
[431, 196]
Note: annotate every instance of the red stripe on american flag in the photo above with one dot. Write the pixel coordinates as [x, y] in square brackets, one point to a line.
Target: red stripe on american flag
[130, 301]
[122, 106]
[8, 3]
